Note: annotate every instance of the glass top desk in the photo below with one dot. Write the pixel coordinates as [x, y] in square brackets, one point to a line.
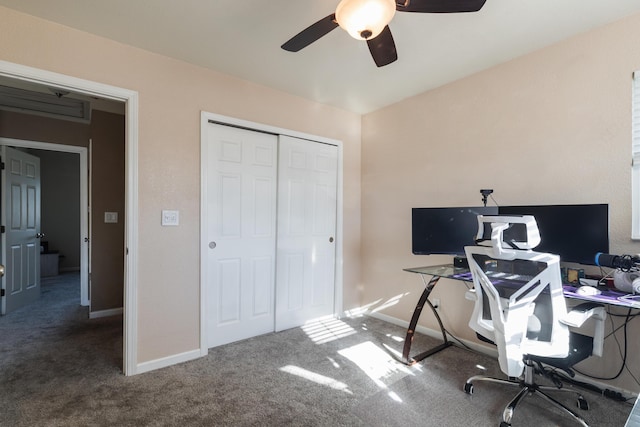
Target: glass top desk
[448, 271]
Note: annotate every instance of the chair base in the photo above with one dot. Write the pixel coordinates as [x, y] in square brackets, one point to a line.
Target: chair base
[528, 387]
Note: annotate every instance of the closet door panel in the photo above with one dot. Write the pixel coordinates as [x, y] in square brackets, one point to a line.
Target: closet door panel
[307, 200]
[241, 187]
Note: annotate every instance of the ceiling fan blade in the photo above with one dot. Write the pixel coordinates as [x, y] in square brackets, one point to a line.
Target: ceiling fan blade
[310, 34]
[382, 48]
[439, 6]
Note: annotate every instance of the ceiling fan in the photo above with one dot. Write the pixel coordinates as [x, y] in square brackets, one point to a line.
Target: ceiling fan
[368, 20]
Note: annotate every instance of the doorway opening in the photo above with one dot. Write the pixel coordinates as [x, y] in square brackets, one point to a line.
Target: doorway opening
[73, 243]
[20, 73]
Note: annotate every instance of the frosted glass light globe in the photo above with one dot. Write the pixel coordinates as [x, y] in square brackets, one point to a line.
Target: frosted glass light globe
[365, 19]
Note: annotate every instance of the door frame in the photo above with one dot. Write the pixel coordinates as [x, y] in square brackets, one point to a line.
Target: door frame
[205, 117]
[84, 201]
[130, 98]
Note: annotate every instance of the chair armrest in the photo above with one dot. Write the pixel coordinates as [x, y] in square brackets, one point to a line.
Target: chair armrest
[580, 313]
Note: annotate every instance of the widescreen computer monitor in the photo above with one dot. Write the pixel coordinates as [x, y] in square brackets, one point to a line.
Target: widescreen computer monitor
[445, 231]
[574, 232]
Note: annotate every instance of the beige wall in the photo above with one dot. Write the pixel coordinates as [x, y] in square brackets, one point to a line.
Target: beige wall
[171, 96]
[43, 129]
[107, 195]
[550, 127]
[60, 205]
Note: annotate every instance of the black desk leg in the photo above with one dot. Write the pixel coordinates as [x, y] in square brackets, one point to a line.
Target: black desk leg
[424, 299]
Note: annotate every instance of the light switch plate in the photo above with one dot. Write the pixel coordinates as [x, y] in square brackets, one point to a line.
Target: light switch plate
[111, 217]
[170, 218]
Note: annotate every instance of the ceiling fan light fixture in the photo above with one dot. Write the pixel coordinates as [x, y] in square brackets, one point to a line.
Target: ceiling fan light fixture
[365, 19]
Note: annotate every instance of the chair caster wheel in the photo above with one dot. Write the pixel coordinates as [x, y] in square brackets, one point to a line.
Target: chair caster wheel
[583, 404]
[468, 388]
[504, 424]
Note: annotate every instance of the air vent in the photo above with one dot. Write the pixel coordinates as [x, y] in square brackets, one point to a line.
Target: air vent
[44, 104]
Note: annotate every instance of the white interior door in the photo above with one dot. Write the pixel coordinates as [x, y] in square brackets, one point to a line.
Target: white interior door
[307, 200]
[21, 218]
[240, 199]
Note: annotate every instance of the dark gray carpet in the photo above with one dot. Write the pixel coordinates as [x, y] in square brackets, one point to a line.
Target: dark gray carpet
[58, 368]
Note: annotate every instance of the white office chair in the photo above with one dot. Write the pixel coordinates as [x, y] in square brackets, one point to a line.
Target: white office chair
[520, 307]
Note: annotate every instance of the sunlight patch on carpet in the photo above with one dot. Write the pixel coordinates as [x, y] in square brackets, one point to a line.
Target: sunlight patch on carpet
[395, 338]
[377, 363]
[326, 330]
[316, 378]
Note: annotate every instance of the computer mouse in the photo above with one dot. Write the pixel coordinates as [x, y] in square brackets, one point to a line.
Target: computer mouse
[588, 291]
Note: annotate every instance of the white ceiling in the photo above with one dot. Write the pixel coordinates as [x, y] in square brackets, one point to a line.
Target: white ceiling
[243, 38]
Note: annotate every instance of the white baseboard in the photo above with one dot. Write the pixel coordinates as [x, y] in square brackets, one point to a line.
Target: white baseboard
[164, 362]
[106, 313]
[489, 351]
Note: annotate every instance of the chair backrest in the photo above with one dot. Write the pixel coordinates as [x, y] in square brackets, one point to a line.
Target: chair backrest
[519, 299]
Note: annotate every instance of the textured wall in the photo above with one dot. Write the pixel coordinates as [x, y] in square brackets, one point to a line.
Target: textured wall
[60, 205]
[107, 195]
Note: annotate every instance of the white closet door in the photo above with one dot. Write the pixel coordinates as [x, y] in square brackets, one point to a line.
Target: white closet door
[307, 198]
[241, 231]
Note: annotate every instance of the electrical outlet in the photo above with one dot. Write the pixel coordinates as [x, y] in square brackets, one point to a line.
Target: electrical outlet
[435, 303]
[111, 217]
